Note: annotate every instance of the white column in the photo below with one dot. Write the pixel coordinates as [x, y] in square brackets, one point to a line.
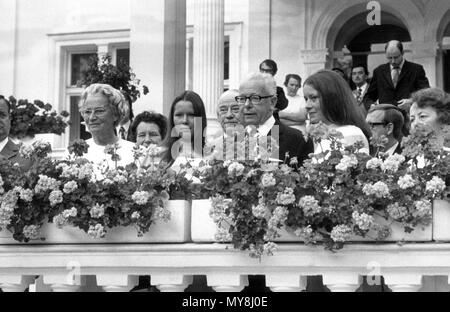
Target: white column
[8, 47]
[171, 282]
[64, 282]
[227, 282]
[425, 54]
[117, 282]
[403, 282]
[209, 52]
[15, 283]
[313, 60]
[158, 51]
[285, 282]
[341, 281]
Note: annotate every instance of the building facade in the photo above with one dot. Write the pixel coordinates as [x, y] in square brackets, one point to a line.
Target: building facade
[206, 45]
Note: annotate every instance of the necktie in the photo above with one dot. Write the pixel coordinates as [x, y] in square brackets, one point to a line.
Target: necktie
[122, 133]
[358, 96]
[395, 74]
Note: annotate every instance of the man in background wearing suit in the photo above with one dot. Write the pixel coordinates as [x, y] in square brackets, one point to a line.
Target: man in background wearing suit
[359, 78]
[394, 82]
[8, 149]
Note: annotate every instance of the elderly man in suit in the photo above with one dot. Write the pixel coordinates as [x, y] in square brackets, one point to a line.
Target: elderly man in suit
[360, 75]
[258, 98]
[395, 81]
[8, 149]
[389, 121]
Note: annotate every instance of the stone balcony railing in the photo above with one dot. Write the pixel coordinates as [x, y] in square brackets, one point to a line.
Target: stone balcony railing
[173, 253]
[407, 267]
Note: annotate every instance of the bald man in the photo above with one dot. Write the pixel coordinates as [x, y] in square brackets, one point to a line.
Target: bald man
[395, 81]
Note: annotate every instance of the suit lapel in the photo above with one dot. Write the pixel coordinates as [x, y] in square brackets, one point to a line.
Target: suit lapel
[10, 150]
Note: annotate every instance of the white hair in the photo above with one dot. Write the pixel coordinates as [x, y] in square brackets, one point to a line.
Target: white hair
[264, 79]
[116, 100]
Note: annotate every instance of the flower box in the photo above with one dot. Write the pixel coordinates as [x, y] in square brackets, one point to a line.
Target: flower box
[441, 220]
[174, 231]
[203, 228]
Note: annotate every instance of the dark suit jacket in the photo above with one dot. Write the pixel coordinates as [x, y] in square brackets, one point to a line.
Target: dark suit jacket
[411, 79]
[11, 153]
[291, 140]
[365, 102]
[282, 102]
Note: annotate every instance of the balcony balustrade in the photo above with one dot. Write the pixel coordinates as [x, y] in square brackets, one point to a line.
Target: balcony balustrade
[116, 266]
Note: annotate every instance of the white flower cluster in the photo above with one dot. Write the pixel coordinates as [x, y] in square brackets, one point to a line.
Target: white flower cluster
[374, 163]
[26, 151]
[70, 187]
[260, 211]
[55, 197]
[393, 162]
[406, 182]
[135, 215]
[347, 162]
[218, 206]
[396, 211]
[77, 172]
[436, 185]
[161, 213]
[379, 189]
[423, 208]
[59, 221]
[286, 198]
[140, 198]
[72, 212]
[62, 219]
[97, 211]
[96, 231]
[341, 233]
[279, 215]
[269, 248]
[310, 205]
[305, 233]
[25, 194]
[31, 232]
[7, 206]
[222, 235]
[236, 169]
[363, 220]
[46, 183]
[267, 180]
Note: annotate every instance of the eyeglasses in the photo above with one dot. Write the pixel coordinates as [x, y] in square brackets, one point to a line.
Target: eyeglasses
[96, 111]
[254, 99]
[373, 124]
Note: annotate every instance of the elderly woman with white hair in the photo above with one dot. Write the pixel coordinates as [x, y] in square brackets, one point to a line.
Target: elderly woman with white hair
[102, 107]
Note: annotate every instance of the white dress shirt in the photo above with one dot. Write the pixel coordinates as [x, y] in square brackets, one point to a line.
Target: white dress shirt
[264, 129]
[392, 149]
[3, 144]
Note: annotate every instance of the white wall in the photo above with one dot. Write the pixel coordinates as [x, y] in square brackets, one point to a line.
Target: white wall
[38, 18]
